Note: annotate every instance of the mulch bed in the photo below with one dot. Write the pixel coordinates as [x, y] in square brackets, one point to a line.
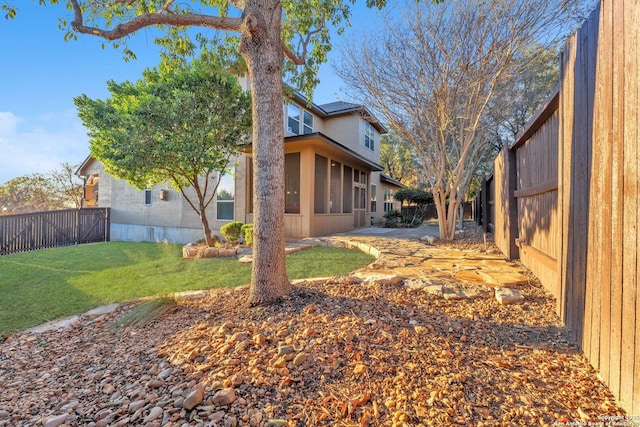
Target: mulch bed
[334, 353]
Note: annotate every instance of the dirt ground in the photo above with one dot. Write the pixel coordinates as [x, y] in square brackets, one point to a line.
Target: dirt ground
[372, 349]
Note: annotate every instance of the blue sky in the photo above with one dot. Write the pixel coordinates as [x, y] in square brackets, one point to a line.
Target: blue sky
[40, 74]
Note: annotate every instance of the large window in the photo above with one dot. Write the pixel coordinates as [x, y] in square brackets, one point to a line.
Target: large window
[293, 119]
[369, 136]
[347, 190]
[308, 122]
[320, 184]
[292, 183]
[336, 187]
[225, 197]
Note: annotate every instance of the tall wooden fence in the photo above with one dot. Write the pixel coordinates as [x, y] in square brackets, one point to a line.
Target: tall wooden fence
[26, 232]
[568, 197]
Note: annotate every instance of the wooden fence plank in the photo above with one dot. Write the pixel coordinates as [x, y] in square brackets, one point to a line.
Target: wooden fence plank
[601, 198]
[615, 341]
[632, 126]
[564, 170]
[593, 255]
[630, 210]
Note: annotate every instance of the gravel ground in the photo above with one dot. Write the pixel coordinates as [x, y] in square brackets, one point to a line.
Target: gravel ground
[365, 350]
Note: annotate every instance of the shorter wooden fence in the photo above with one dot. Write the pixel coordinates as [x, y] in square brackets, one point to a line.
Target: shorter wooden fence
[40, 230]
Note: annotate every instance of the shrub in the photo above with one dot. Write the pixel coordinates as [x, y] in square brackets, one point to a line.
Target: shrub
[247, 234]
[392, 218]
[231, 231]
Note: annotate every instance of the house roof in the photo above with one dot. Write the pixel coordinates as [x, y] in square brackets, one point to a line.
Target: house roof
[84, 164]
[338, 108]
[386, 178]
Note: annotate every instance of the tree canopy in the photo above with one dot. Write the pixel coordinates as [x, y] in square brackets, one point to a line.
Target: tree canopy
[397, 158]
[179, 125]
[58, 189]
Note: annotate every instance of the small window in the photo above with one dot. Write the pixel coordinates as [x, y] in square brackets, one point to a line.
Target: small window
[293, 119]
[147, 197]
[225, 197]
[369, 136]
[374, 188]
[308, 122]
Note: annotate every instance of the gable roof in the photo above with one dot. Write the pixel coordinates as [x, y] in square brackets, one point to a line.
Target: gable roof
[339, 107]
[386, 178]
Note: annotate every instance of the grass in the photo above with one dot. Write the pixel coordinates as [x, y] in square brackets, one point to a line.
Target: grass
[49, 284]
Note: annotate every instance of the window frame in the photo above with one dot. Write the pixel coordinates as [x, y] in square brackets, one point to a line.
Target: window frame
[231, 174]
[372, 192]
[290, 129]
[306, 128]
[369, 136]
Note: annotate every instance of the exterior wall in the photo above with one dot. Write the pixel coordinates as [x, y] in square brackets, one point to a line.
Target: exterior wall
[152, 233]
[381, 189]
[349, 131]
[171, 219]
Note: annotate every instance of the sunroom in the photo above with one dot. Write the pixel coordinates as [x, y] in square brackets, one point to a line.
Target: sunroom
[326, 186]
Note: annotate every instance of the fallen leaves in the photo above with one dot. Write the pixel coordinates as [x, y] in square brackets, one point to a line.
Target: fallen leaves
[336, 353]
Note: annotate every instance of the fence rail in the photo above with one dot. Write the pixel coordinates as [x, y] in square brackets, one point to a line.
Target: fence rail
[40, 230]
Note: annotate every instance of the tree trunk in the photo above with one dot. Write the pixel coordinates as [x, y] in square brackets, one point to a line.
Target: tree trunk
[261, 48]
[209, 238]
[447, 214]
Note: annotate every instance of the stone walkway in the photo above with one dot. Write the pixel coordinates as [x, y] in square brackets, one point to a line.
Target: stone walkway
[452, 274]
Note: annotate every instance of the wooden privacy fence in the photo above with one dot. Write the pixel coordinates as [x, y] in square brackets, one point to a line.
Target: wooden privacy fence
[567, 195]
[26, 232]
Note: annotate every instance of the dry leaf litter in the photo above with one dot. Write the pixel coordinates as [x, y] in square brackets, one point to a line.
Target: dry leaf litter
[417, 338]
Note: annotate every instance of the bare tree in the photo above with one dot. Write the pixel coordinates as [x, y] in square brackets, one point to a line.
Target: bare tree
[67, 185]
[436, 72]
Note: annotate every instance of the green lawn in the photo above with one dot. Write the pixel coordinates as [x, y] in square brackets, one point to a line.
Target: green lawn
[43, 285]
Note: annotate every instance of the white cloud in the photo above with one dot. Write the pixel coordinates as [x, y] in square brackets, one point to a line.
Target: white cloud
[39, 144]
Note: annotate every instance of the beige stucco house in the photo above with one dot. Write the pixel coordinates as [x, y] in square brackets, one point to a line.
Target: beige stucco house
[333, 182]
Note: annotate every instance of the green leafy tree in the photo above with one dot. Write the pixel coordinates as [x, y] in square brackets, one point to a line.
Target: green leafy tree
[416, 198]
[29, 193]
[180, 125]
[397, 158]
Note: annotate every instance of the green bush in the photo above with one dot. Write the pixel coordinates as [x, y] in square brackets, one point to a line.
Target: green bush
[231, 231]
[247, 234]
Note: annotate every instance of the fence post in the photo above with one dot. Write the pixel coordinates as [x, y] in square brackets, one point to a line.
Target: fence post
[484, 204]
[511, 203]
